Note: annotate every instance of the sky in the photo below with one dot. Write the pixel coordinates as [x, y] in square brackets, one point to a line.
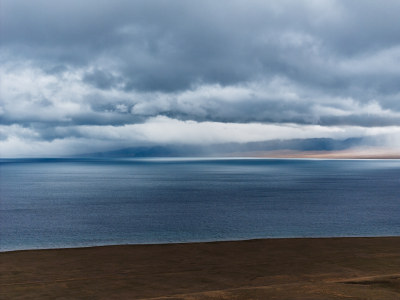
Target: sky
[94, 75]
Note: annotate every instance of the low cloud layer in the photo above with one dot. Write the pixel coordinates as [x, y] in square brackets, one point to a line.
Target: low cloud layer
[98, 75]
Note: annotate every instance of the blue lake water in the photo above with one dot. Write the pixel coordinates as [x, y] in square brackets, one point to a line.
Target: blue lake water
[47, 203]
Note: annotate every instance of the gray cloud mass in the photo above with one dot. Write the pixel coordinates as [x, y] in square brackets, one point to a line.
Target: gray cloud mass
[70, 68]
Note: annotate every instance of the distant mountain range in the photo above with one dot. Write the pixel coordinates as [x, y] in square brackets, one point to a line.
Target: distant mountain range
[228, 149]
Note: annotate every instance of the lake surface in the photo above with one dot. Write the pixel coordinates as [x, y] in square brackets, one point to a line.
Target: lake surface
[47, 203]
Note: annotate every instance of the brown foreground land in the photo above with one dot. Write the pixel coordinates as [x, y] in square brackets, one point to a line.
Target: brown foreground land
[332, 268]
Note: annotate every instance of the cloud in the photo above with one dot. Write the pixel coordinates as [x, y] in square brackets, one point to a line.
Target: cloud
[99, 64]
[19, 141]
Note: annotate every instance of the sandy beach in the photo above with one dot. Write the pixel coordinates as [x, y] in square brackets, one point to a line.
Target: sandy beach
[323, 268]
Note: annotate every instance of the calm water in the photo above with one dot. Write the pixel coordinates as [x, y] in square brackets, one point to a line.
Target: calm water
[68, 203]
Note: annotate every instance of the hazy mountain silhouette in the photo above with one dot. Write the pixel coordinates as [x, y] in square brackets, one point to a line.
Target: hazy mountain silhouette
[315, 144]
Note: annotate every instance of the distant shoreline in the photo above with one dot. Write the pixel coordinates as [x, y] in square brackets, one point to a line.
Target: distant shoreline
[285, 154]
[287, 268]
[344, 154]
[305, 157]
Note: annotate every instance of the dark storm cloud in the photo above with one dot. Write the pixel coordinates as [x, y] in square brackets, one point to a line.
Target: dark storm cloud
[175, 45]
[97, 62]
[101, 79]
